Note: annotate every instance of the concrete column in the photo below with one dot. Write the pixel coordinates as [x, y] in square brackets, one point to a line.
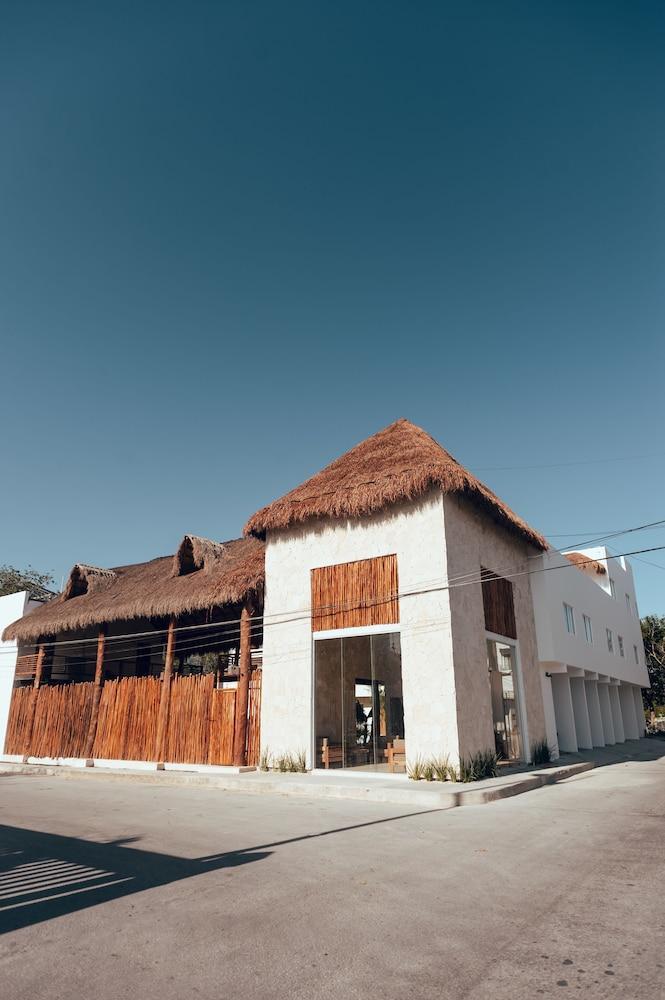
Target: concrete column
[628, 712]
[606, 713]
[550, 715]
[639, 710]
[581, 713]
[595, 718]
[563, 711]
[617, 718]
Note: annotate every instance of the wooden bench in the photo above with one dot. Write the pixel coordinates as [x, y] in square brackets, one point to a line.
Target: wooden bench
[396, 754]
[333, 754]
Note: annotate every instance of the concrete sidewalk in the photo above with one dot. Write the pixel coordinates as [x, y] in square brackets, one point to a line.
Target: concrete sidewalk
[396, 788]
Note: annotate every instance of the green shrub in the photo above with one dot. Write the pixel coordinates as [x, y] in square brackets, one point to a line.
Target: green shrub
[428, 770]
[478, 766]
[416, 769]
[442, 769]
[540, 752]
[265, 760]
[299, 761]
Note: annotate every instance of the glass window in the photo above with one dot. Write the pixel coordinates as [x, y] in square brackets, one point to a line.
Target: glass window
[569, 618]
[637, 659]
[620, 638]
[505, 711]
[358, 707]
[588, 631]
[628, 608]
[613, 589]
[610, 640]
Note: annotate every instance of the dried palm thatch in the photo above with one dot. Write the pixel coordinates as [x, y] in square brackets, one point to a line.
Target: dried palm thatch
[83, 579]
[585, 562]
[196, 553]
[150, 590]
[401, 462]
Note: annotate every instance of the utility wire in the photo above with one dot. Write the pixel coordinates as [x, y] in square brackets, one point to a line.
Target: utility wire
[306, 614]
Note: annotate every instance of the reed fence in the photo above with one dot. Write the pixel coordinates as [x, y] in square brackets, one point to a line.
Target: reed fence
[127, 725]
[50, 721]
[53, 720]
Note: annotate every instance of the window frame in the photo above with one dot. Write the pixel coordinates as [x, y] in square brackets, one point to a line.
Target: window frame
[588, 628]
[569, 620]
[621, 649]
[610, 640]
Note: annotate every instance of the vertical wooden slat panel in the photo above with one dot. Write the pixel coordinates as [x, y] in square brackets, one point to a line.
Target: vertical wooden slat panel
[189, 719]
[20, 719]
[127, 724]
[349, 595]
[254, 720]
[498, 604]
[222, 718]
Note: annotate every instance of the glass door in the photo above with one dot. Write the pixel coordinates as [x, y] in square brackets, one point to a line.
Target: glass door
[358, 708]
[505, 711]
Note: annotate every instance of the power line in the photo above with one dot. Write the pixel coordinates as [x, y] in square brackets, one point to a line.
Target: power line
[306, 614]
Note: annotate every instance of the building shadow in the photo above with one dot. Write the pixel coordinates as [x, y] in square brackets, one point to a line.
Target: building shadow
[647, 748]
[44, 875]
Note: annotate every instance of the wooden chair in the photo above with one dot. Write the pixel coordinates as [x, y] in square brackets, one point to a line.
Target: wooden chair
[331, 753]
[396, 754]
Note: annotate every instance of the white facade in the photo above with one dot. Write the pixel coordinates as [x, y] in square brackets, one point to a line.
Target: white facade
[590, 650]
[12, 607]
[414, 531]
[446, 688]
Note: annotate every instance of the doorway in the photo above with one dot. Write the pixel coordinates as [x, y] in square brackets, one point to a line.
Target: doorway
[358, 706]
[502, 668]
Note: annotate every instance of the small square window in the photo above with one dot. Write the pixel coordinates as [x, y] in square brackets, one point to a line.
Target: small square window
[613, 589]
[569, 618]
[620, 638]
[588, 630]
[610, 640]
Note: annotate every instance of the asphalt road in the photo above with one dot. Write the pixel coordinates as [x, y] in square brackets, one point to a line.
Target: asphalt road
[111, 890]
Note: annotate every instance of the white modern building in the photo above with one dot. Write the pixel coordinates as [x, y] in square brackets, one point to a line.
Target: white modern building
[590, 649]
[12, 606]
[378, 630]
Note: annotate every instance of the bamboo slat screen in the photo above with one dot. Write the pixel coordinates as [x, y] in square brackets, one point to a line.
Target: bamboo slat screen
[127, 726]
[60, 722]
[19, 721]
[498, 604]
[254, 719]
[222, 718]
[188, 735]
[26, 665]
[354, 594]
[62, 718]
[200, 728]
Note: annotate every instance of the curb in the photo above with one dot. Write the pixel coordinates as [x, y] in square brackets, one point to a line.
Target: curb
[369, 792]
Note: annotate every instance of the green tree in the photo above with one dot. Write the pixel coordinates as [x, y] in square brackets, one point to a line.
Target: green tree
[37, 584]
[653, 633]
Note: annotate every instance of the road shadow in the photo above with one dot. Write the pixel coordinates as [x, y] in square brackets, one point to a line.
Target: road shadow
[645, 749]
[45, 875]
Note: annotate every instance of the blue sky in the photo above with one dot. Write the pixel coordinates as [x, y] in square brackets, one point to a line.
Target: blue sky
[237, 238]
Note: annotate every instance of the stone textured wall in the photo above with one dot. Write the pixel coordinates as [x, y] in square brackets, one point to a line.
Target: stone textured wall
[472, 541]
[412, 530]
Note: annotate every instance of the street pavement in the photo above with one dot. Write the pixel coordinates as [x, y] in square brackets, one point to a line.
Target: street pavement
[113, 890]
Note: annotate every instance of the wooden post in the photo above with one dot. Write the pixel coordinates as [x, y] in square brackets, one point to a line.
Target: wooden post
[242, 693]
[96, 695]
[163, 717]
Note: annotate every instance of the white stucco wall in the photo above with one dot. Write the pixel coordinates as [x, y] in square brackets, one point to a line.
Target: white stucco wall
[474, 540]
[12, 606]
[588, 595]
[414, 531]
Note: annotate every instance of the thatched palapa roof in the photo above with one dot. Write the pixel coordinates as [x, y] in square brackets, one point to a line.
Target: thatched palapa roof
[585, 562]
[401, 462]
[222, 573]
